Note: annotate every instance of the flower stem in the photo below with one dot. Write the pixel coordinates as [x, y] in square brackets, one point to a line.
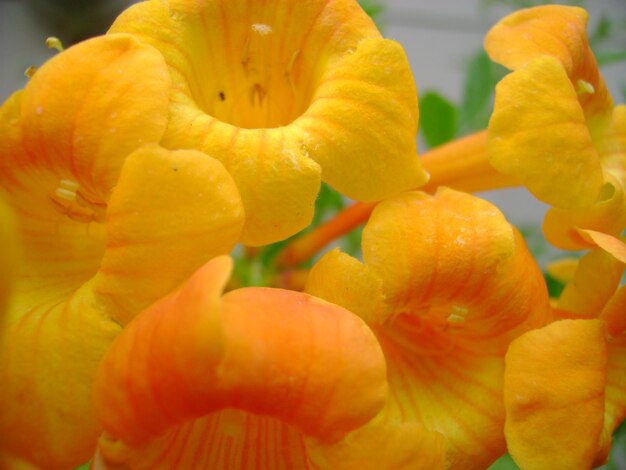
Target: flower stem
[461, 164]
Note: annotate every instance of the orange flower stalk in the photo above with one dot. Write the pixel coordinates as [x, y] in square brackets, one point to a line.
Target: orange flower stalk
[249, 379]
[282, 94]
[565, 383]
[555, 128]
[446, 285]
[98, 213]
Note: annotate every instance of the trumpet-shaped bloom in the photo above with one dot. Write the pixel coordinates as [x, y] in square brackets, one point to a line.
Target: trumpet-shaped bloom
[238, 381]
[446, 284]
[285, 93]
[565, 384]
[98, 211]
[555, 128]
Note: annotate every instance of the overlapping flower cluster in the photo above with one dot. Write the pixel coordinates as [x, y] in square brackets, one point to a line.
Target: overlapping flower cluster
[133, 163]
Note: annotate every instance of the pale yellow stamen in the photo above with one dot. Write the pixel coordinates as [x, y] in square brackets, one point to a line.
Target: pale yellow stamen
[68, 200]
[54, 43]
[65, 194]
[457, 314]
[70, 185]
[585, 87]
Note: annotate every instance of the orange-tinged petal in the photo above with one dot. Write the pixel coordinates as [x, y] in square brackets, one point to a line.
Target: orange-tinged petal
[615, 405]
[388, 444]
[8, 256]
[613, 313]
[554, 394]
[455, 259]
[596, 278]
[357, 289]
[170, 212]
[268, 352]
[458, 285]
[85, 132]
[450, 391]
[558, 31]
[606, 215]
[563, 270]
[609, 243]
[51, 346]
[228, 439]
[373, 90]
[538, 133]
[48, 357]
[269, 91]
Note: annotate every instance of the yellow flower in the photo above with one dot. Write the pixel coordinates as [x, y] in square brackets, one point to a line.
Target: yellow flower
[565, 383]
[282, 94]
[98, 211]
[242, 380]
[446, 285]
[554, 126]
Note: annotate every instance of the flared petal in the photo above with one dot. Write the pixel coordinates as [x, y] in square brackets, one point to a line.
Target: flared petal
[62, 147]
[538, 133]
[596, 278]
[554, 395]
[56, 335]
[270, 91]
[615, 406]
[558, 31]
[48, 357]
[456, 260]
[563, 270]
[260, 352]
[170, 212]
[357, 289]
[613, 313]
[612, 245]
[371, 89]
[458, 284]
[382, 443]
[85, 132]
[607, 215]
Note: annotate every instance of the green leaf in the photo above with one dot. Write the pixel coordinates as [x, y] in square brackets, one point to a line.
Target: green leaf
[481, 76]
[610, 57]
[555, 287]
[602, 31]
[439, 120]
[372, 7]
[504, 463]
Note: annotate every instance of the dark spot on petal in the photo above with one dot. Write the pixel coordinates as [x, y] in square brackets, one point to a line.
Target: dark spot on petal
[222, 96]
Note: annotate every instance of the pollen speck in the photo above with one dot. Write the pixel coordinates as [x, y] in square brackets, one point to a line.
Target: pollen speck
[54, 43]
[262, 29]
[30, 71]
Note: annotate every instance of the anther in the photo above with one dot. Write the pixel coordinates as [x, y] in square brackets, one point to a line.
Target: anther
[70, 185]
[54, 43]
[585, 87]
[30, 71]
[66, 194]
